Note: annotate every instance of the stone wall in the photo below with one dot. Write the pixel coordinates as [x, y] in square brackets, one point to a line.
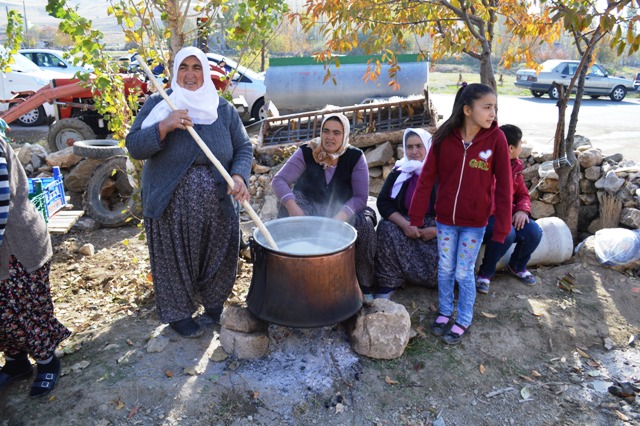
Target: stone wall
[604, 180]
[609, 195]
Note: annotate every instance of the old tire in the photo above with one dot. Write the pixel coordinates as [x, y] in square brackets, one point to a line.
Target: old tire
[64, 133]
[97, 148]
[35, 117]
[618, 93]
[108, 198]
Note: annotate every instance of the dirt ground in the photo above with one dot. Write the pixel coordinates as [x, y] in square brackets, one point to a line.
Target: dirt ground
[541, 355]
[535, 356]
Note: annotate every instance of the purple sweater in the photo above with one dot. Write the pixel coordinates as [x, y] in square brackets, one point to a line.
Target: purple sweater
[295, 166]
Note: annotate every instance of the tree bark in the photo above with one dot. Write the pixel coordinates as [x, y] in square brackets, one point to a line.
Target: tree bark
[487, 76]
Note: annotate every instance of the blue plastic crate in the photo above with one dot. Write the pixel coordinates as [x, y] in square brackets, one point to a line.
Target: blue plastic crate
[53, 191]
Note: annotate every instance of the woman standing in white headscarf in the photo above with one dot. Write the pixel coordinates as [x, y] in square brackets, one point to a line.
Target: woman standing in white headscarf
[406, 254]
[330, 178]
[190, 214]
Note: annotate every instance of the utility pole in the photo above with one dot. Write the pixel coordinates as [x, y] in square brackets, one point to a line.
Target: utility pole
[26, 23]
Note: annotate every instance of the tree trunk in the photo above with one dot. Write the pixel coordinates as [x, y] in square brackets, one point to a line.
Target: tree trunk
[487, 75]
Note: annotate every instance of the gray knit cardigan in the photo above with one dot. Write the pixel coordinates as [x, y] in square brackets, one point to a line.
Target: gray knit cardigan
[168, 160]
[26, 235]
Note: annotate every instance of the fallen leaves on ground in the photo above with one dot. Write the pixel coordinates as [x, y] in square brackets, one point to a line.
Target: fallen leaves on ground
[388, 380]
[488, 315]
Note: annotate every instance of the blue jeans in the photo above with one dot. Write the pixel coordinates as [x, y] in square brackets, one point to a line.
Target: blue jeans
[526, 239]
[458, 248]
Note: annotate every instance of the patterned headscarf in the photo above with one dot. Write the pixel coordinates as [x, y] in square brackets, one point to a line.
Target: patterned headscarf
[202, 104]
[410, 167]
[319, 154]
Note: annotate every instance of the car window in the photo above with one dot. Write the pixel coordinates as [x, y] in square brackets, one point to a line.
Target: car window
[22, 63]
[570, 69]
[596, 71]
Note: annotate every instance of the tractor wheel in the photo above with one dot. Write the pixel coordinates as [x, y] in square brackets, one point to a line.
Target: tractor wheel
[108, 198]
[63, 133]
[97, 148]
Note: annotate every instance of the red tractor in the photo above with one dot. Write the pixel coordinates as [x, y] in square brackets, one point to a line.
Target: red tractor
[76, 116]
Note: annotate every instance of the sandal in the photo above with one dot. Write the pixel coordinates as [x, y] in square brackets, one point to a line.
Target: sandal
[524, 276]
[45, 381]
[440, 327]
[453, 337]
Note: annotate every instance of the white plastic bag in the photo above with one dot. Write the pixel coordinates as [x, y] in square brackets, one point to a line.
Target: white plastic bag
[617, 246]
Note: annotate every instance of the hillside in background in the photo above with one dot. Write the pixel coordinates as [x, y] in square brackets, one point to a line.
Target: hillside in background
[36, 15]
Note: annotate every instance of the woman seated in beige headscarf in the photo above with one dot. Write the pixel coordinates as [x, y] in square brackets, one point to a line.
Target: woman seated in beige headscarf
[330, 178]
[190, 214]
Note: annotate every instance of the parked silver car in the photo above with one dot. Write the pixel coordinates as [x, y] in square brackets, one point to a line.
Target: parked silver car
[53, 60]
[597, 83]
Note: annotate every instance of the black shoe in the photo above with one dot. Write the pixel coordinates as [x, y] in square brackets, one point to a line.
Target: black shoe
[440, 328]
[46, 378]
[187, 328]
[15, 370]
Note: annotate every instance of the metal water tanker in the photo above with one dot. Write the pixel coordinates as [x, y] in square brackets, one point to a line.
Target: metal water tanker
[296, 84]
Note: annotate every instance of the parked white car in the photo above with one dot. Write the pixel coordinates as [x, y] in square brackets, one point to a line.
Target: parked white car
[244, 82]
[25, 76]
[52, 60]
[597, 83]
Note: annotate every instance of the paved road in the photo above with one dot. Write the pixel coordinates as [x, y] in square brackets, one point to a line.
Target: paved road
[611, 126]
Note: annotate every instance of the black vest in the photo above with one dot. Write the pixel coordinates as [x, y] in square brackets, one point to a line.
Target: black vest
[312, 182]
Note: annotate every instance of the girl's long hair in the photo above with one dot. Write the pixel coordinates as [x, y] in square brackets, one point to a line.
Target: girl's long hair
[467, 95]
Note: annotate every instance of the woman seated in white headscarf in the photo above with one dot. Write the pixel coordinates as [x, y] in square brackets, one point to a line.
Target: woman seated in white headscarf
[330, 178]
[190, 214]
[405, 254]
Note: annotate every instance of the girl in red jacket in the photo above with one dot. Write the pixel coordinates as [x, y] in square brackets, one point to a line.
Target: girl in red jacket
[469, 151]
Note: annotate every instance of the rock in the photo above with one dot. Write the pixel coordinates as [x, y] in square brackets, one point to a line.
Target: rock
[588, 199]
[260, 169]
[550, 198]
[87, 250]
[615, 158]
[587, 251]
[593, 173]
[381, 330]
[630, 217]
[65, 159]
[379, 155]
[548, 185]
[526, 151]
[610, 182]
[193, 370]
[540, 209]
[590, 158]
[87, 224]
[242, 320]
[33, 154]
[530, 172]
[244, 345]
[157, 344]
[269, 208]
[594, 226]
[386, 170]
[580, 141]
[218, 354]
[542, 157]
[375, 185]
[587, 187]
[375, 172]
[77, 179]
[399, 152]
[547, 170]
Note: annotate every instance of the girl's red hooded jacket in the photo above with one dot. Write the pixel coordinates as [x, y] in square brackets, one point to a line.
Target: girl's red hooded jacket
[465, 181]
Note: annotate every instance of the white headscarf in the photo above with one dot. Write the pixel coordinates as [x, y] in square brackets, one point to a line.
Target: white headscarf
[319, 154]
[410, 167]
[202, 104]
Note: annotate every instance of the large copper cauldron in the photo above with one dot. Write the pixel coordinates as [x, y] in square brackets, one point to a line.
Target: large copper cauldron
[310, 281]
